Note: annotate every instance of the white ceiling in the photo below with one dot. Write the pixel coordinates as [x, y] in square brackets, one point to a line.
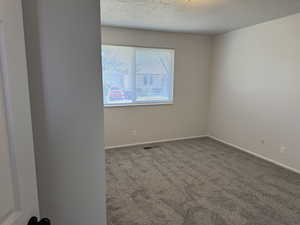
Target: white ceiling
[196, 16]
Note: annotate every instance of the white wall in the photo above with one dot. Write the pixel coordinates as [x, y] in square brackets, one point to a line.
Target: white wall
[255, 89]
[188, 115]
[62, 40]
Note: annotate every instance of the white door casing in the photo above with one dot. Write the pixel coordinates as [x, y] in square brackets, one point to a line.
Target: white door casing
[18, 191]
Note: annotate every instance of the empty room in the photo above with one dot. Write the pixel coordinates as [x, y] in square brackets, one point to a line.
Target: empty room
[201, 106]
[149, 112]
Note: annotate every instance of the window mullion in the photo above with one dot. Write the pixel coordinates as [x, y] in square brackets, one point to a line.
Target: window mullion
[134, 75]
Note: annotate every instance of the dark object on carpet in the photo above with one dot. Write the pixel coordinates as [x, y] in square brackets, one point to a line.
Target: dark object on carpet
[198, 182]
[150, 147]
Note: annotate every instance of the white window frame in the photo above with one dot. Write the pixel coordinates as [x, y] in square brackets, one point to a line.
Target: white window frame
[171, 102]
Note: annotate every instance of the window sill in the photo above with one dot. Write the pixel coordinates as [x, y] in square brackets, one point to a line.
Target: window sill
[138, 104]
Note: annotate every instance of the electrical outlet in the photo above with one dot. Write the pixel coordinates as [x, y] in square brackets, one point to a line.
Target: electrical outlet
[133, 132]
[282, 149]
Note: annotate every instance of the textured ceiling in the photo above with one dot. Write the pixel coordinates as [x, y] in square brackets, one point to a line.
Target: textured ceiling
[197, 16]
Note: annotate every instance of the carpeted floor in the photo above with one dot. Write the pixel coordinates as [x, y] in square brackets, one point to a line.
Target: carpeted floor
[198, 182]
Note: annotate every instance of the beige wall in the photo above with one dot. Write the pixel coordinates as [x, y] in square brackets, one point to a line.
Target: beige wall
[188, 115]
[255, 89]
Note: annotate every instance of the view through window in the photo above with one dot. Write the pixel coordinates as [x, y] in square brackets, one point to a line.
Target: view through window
[133, 75]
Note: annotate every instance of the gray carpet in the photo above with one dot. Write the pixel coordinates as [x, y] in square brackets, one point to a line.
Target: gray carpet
[198, 182]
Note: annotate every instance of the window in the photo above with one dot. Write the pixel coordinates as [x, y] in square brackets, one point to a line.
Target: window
[137, 76]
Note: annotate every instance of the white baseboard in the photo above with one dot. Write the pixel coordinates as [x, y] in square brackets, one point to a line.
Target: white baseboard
[255, 154]
[154, 142]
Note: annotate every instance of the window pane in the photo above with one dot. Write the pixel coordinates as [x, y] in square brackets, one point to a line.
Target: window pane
[137, 75]
[117, 70]
[154, 72]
